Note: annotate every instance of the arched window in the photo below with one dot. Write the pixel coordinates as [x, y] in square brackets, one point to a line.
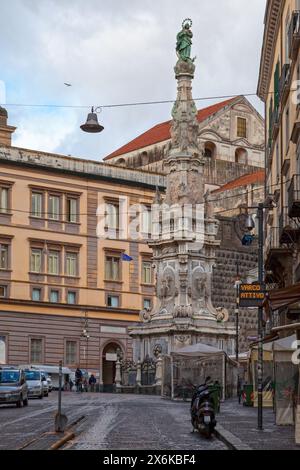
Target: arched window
[241, 156]
[121, 162]
[210, 150]
[145, 159]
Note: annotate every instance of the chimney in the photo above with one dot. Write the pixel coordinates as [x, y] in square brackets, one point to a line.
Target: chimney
[5, 130]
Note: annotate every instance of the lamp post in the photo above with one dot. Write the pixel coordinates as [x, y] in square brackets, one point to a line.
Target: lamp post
[86, 335]
[250, 226]
[260, 362]
[237, 310]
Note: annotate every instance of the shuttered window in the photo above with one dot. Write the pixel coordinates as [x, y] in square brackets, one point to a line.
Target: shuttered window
[36, 351]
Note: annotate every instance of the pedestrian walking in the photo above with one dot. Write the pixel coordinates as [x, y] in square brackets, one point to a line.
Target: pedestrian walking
[78, 379]
[71, 384]
[92, 382]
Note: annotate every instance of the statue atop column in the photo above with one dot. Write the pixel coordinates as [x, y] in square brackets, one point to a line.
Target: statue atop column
[183, 255]
[184, 42]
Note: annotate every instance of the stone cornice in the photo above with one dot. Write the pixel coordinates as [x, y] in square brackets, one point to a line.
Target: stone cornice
[272, 22]
[80, 167]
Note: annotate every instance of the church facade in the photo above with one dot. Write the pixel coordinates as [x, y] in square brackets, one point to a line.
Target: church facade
[231, 133]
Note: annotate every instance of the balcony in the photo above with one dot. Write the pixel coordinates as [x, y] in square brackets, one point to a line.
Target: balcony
[289, 229]
[294, 197]
[294, 35]
[285, 84]
[273, 250]
[275, 123]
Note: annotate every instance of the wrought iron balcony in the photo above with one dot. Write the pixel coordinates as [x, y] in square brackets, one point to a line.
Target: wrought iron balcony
[289, 229]
[294, 197]
[285, 82]
[272, 246]
[294, 35]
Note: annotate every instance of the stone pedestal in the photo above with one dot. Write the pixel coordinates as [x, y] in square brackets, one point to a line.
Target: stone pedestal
[118, 378]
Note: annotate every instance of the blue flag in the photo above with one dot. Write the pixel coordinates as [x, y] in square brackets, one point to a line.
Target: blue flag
[125, 257]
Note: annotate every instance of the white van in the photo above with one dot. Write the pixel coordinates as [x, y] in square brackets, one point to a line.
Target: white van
[53, 372]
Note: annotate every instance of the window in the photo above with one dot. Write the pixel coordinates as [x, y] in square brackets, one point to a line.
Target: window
[278, 166]
[3, 256]
[36, 260]
[3, 292]
[146, 272]
[112, 216]
[147, 304]
[53, 262]
[146, 224]
[287, 23]
[112, 268]
[113, 301]
[4, 200]
[36, 294]
[37, 205]
[287, 128]
[277, 85]
[210, 150]
[241, 127]
[71, 297]
[72, 205]
[71, 264]
[54, 296]
[2, 349]
[71, 352]
[36, 350]
[54, 207]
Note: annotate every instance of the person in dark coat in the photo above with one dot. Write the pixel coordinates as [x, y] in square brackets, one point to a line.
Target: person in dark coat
[92, 382]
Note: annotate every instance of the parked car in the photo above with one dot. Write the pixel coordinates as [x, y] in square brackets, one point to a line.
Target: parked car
[53, 371]
[36, 389]
[13, 386]
[49, 380]
[45, 385]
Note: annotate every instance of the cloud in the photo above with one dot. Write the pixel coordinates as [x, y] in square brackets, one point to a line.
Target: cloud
[118, 52]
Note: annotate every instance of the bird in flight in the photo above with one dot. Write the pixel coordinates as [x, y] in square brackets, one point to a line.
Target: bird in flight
[68, 84]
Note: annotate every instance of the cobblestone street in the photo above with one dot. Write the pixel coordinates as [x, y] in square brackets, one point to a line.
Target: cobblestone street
[141, 422]
[111, 422]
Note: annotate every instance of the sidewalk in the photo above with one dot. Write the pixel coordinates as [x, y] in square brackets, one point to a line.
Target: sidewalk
[237, 425]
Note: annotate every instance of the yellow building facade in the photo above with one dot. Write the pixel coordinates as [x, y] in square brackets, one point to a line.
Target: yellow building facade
[68, 288]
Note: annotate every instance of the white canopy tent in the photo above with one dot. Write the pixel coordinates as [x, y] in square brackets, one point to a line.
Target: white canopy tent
[189, 366]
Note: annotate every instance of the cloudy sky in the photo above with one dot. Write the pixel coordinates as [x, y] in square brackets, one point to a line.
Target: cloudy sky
[116, 52]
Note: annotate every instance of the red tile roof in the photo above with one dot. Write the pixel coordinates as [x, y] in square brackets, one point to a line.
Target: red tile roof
[161, 132]
[252, 178]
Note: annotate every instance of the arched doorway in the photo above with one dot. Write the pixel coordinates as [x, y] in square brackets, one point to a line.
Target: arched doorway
[109, 359]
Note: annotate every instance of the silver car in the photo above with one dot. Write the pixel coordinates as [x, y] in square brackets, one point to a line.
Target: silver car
[13, 387]
[35, 383]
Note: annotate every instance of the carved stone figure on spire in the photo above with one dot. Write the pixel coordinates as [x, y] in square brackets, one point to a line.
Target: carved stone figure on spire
[184, 41]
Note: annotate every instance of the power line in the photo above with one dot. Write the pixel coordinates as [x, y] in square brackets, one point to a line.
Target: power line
[139, 103]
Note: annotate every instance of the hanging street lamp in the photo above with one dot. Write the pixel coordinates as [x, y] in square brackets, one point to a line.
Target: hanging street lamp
[92, 125]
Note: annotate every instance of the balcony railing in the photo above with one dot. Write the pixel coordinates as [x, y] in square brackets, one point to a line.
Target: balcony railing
[284, 85]
[273, 249]
[289, 230]
[294, 197]
[294, 35]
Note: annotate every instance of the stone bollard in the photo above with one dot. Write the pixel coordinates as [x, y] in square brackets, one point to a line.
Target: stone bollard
[139, 374]
[118, 378]
[158, 372]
